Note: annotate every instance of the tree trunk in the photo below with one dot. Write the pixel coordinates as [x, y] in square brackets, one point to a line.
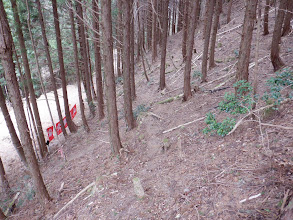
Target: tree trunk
[165, 5]
[127, 65]
[4, 182]
[119, 37]
[229, 11]
[266, 18]
[98, 65]
[207, 35]
[256, 72]
[93, 93]
[214, 34]
[40, 133]
[84, 63]
[174, 10]
[190, 42]
[110, 80]
[149, 25]
[154, 31]
[180, 15]
[132, 77]
[14, 138]
[72, 127]
[76, 64]
[288, 17]
[185, 28]
[246, 38]
[13, 88]
[50, 66]
[275, 47]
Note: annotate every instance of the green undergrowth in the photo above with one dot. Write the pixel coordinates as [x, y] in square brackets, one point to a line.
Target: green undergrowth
[236, 104]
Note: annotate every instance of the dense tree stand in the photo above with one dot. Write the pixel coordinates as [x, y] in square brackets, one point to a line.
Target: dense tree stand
[13, 88]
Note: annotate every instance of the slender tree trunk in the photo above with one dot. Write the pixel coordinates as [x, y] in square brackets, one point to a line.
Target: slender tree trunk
[149, 24]
[14, 138]
[185, 28]
[246, 38]
[34, 134]
[207, 35]
[40, 133]
[4, 182]
[72, 127]
[180, 15]
[174, 10]
[53, 81]
[39, 71]
[275, 47]
[287, 22]
[165, 5]
[255, 72]
[93, 93]
[119, 37]
[127, 65]
[266, 18]
[98, 65]
[13, 87]
[190, 42]
[205, 16]
[154, 31]
[229, 11]
[143, 64]
[132, 77]
[110, 80]
[76, 64]
[139, 34]
[214, 34]
[85, 68]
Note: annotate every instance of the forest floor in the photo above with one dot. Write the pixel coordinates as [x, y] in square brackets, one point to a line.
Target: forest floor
[185, 174]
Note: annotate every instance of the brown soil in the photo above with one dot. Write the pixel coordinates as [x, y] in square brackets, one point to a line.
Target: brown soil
[198, 176]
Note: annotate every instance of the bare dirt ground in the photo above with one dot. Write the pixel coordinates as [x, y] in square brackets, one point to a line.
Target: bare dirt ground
[198, 176]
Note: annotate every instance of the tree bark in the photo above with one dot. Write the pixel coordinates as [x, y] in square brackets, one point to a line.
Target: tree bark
[98, 64]
[288, 17]
[266, 18]
[71, 125]
[229, 11]
[50, 66]
[164, 44]
[185, 28]
[84, 63]
[132, 42]
[33, 99]
[180, 15]
[154, 31]
[127, 65]
[119, 37]
[4, 182]
[110, 80]
[149, 24]
[14, 138]
[275, 47]
[246, 38]
[174, 17]
[191, 29]
[207, 35]
[214, 34]
[76, 64]
[13, 88]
